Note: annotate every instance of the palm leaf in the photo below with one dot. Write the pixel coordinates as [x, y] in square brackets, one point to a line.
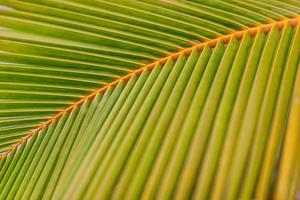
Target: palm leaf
[149, 99]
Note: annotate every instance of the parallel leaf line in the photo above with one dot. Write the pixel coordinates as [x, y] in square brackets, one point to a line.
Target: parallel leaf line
[187, 51]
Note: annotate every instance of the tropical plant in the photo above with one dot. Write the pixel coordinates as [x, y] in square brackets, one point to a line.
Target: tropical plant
[151, 99]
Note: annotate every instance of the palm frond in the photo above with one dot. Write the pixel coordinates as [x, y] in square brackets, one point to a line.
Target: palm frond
[196, 100]
[55, 52]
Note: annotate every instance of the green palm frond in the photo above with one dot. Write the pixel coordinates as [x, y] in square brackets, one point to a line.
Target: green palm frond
[55, 52]
[149, 99]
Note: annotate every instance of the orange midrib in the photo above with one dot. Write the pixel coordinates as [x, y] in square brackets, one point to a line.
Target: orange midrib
[211, 43]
